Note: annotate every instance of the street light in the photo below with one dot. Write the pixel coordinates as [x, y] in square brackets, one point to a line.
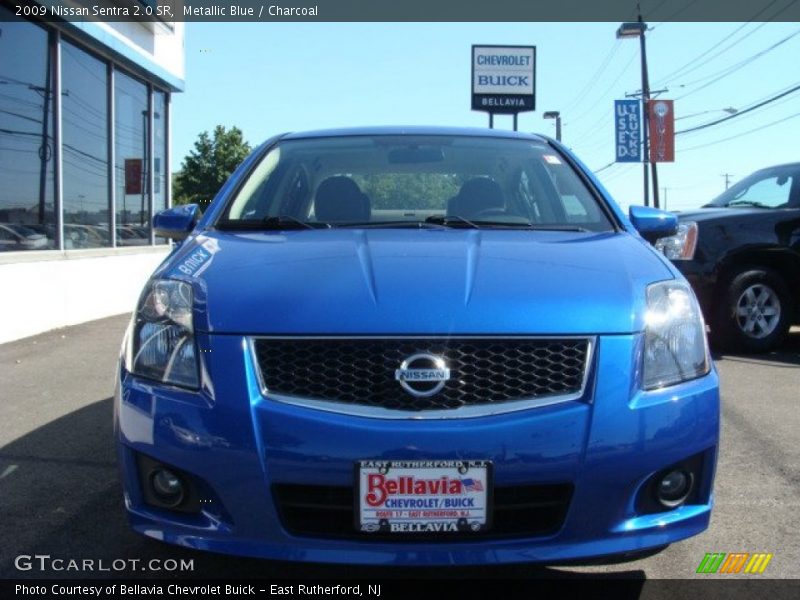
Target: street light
[554, 114]
[632, 30]
[730, 110]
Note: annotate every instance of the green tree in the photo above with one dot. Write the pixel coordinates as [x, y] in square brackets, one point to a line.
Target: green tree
[419, 191]
[209, 165]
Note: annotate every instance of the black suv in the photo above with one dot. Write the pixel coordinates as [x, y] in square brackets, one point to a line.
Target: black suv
[741, 252]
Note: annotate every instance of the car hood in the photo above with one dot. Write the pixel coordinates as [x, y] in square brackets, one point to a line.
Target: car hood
[409, 281]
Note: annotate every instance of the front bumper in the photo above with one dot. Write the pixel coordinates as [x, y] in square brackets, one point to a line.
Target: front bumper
[237, 444]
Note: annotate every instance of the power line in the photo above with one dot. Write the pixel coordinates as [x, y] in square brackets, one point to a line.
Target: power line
[620, 172]
[604, 94]
[771, 105]
[18, 100]
[737, 66]
[9, 79]
[749, 131]
[594, 78]
[8, 112]
[741, 63]
[741, 112]
[758, 113]
[683, 69]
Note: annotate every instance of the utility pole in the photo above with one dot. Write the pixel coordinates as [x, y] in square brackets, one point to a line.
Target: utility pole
[727, 177]
[45, 151]
[665, 197]
[638, 29]
[645, 101]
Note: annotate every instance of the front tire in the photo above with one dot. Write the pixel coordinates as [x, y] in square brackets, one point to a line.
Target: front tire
[755, 312]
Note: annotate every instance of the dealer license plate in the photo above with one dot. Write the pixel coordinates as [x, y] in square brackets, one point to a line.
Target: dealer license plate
[424, 496]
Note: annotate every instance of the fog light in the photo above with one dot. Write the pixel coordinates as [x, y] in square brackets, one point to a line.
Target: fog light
[674, 487]
[167, 487]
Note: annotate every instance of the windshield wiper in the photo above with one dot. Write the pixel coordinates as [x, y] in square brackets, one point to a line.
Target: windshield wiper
[747, 203]
[288, 222]
[281, 223]
[475, 223]
[379, 224]
[574, 228]
[451, 221]
[456, 221]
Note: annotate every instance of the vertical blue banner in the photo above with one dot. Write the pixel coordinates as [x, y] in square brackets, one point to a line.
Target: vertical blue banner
[628, 131]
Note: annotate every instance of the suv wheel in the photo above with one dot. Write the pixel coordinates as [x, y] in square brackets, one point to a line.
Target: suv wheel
[754, 316]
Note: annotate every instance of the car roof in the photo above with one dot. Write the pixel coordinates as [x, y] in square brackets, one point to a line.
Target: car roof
[415, 130]
[792, 165]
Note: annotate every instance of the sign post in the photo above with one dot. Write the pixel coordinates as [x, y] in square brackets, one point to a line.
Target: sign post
[503, 80]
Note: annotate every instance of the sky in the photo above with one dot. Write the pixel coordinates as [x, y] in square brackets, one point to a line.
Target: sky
[269, 78]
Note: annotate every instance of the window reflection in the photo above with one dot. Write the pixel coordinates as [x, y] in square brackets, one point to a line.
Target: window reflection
[28, 152]
[130, 131]
[84, 114]
[160, 174]
[27, 202]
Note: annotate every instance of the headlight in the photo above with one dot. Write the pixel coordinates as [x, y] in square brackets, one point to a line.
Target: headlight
[162, 344]
[680, 246]
[675, 347]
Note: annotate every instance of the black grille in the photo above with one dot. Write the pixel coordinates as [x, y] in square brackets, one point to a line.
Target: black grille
[482, 370]
[327, 511]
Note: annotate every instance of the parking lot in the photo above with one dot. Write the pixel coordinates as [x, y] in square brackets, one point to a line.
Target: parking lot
[60, 496]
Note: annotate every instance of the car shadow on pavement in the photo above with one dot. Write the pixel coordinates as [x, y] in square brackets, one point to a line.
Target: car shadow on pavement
[787, 355]
[60, 496]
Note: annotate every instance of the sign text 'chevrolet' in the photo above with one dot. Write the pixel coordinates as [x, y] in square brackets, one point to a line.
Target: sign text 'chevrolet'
[504, 79]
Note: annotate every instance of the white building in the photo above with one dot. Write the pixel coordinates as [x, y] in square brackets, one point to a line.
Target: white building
[84, 164]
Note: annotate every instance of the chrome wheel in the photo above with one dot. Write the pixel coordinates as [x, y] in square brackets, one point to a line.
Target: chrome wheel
[758, 311]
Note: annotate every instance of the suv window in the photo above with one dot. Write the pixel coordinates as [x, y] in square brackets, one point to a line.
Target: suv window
[763, 189]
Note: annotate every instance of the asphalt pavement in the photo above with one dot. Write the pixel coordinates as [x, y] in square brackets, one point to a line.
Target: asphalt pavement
[60, 495]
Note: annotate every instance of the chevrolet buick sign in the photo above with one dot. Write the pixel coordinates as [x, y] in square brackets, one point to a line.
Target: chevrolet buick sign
[504, 78]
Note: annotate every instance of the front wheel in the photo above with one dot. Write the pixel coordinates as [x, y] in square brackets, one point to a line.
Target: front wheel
[755, 311]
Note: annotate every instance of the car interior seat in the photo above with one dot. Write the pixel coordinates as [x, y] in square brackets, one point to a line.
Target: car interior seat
[476, 196]
[340, 200]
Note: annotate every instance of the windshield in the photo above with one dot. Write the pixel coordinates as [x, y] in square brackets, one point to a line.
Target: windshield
[768, 188]
[412, 180]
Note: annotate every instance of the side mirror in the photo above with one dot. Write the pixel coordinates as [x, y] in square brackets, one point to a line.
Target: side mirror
[177, 222]
[653, 223]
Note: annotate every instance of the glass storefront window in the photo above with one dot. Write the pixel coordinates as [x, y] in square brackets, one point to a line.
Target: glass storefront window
[160, 174]
[131, 168]
[27, 199]
[84, 127]
[29, 196]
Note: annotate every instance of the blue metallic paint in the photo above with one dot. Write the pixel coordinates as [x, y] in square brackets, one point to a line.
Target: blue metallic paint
[236, 442]
[653, 223]
[486, 281]
[176, 222]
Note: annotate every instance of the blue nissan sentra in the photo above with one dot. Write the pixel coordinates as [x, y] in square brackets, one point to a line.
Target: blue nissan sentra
[417, 346]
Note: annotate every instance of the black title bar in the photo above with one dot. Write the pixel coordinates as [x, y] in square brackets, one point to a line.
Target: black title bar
[405, 10]
[619, 586]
